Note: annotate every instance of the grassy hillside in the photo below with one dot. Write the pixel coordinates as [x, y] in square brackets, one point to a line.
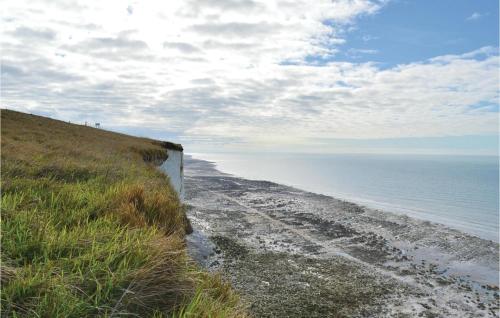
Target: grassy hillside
[90, 227]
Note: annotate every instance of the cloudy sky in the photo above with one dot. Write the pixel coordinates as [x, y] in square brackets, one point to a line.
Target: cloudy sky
[284, 75]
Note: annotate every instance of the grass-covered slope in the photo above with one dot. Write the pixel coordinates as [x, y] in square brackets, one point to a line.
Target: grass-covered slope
[90, 227]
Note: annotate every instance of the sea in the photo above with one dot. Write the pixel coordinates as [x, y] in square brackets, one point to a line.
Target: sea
[458, 191]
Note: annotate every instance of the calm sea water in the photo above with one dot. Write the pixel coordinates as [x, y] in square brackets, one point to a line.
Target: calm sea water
[459, 191]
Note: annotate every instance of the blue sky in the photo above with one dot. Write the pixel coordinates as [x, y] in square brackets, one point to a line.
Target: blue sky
[254, 75]
[407, 31]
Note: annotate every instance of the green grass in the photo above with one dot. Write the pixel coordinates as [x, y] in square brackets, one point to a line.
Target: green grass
[90, 227]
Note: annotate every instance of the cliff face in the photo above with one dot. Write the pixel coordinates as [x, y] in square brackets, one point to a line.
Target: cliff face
[174, 168]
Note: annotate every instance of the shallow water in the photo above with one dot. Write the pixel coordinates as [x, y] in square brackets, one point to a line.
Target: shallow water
[459, 191]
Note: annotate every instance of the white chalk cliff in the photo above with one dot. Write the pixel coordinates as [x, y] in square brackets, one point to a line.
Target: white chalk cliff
[174, 168]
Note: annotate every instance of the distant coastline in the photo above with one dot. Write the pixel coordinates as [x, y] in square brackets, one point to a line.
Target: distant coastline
[430, 208]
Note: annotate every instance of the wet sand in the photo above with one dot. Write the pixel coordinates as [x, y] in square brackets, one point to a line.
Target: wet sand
[292, 253]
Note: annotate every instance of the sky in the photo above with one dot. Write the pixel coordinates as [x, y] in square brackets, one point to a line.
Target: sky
[389, 76]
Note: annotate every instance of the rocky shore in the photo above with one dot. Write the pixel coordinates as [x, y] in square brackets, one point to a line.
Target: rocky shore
[292, 253]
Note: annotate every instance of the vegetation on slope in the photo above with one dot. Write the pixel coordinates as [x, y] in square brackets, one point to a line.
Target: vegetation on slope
[90, 227]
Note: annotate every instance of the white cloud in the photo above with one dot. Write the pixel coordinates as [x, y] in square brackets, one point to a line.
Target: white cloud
[474, 16]
[233, 70]
[357, 53]
[130, 10]
[367, 38]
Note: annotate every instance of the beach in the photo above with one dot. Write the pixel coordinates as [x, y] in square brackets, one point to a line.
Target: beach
[293, 253]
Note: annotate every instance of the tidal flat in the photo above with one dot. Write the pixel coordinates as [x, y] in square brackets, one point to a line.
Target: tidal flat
[292, 253]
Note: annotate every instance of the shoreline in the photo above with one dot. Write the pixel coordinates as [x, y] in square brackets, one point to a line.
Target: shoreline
[435, 214]
[240, 222]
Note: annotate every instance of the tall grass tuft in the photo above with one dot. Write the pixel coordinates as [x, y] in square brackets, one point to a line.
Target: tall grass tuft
[90, 227]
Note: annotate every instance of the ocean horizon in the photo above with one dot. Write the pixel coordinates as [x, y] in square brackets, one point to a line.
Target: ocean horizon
[459, 191]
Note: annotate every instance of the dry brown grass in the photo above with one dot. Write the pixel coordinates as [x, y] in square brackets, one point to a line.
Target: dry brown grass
[90, 227]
